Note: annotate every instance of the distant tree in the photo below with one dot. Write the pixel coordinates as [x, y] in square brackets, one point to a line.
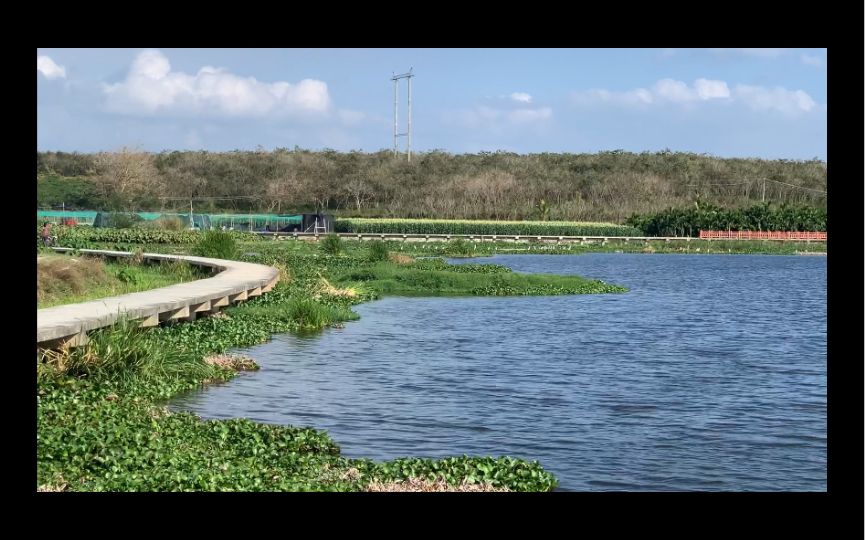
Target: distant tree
[124, 174]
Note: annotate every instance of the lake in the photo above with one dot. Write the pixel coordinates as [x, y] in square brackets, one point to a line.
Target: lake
[710, 374]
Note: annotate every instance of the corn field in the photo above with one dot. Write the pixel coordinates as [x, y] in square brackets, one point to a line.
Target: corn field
[487, 228]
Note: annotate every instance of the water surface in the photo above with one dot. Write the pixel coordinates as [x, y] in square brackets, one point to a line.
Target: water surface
[711, 374]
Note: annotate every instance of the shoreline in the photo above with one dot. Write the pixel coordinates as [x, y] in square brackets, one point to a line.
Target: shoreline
[301, 303]
[307, 300]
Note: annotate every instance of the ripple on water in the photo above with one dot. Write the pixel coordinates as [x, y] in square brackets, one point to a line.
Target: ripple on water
[711, 374]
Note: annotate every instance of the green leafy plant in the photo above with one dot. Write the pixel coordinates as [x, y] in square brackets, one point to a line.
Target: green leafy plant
[378, 251]
[136, 235]
[331, 244]
[217, 245]
[709, 217]
[129, 275]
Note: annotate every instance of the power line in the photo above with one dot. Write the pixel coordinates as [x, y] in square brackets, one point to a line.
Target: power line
[735, 184]
[766, 180]
[800, 187]
[209, 198]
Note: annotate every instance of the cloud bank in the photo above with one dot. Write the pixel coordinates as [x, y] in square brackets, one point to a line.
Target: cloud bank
[151, 87]
[672, 92]
[49, 68]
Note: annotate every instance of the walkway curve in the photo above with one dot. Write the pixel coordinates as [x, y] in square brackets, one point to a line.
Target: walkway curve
[235, 281]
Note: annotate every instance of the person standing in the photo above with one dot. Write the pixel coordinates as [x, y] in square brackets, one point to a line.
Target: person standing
[46, 234]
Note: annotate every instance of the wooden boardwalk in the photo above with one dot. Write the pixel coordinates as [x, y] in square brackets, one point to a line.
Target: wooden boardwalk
[234, 282]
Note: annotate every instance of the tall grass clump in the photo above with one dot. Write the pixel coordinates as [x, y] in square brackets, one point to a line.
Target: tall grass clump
[377, 251]
[331, 244]
[308, 314]
[217, 245]
[122, 352]
[461, 248]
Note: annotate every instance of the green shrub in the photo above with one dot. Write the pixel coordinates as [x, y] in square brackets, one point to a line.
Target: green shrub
[125, 221]
[165, 223]
[461, 248]
[332, 244]
[378, 251]
[217, 245]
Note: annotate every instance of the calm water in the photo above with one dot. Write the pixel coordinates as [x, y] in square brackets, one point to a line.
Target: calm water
[711, 374]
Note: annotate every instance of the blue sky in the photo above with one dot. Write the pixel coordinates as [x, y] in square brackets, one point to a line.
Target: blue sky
[733, 102]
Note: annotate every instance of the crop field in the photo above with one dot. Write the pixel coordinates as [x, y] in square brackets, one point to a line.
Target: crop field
[447, 226]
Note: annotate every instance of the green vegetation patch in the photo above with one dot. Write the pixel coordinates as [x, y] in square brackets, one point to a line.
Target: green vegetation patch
[709, 217]
[100, 425]
[69, 279]
[395, 279]
[488, 228]
[67, 236]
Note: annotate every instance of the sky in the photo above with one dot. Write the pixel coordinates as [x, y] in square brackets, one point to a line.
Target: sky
[729, 102]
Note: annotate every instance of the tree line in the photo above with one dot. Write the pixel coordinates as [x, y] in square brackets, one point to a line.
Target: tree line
[607, 186]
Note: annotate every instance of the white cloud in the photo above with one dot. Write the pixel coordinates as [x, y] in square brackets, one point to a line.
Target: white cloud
[814, 61]
[760, 52]
[667, 53]
[520, 96]
[665, 90]
[151, 87]
[779, 99]
[669, 91]
[500, 120]
[49, 68]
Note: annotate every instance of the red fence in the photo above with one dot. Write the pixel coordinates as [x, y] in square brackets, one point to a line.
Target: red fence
[760, 235]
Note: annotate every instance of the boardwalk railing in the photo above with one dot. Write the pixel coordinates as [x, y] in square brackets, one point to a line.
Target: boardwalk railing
[762, 235]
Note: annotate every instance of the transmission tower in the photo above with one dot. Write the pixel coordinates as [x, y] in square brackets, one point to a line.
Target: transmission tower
[396, 133]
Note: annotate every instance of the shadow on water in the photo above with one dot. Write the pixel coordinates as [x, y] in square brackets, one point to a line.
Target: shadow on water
[711, 374]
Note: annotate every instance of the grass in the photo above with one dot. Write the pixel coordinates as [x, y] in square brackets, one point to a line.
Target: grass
[331, 245]
[378, 251]
[122, 352]
[388, 278]
[66, 279]
[217, 244]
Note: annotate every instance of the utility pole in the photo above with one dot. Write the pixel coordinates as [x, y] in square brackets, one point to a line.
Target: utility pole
[764, 190]
[395, 97]
[396, 133]
[409, 120]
